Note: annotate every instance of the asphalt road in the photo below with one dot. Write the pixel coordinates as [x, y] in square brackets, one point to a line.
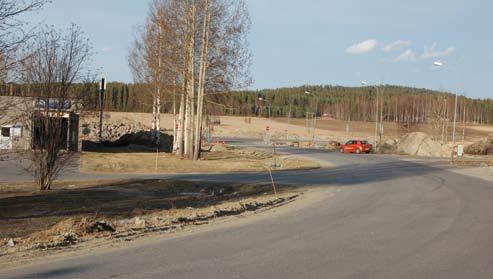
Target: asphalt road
[387, 219]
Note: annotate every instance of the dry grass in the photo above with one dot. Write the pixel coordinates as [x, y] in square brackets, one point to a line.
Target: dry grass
[222, 161]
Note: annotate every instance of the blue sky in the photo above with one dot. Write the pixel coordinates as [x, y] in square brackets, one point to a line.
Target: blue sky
[324, 42]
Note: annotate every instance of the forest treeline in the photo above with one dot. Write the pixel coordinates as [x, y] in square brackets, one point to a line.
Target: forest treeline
[400, 104]
[395, 104]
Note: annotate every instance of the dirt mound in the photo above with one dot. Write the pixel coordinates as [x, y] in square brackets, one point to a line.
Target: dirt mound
[333, 145]
[416, 144]
[79, 229]
[145, 138]
[112, 130]
[221, 148]
[64, 233]
[138, 141]
[484, 147]
[388, 147]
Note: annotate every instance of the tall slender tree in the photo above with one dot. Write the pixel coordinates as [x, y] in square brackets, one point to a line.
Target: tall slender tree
[201, 47]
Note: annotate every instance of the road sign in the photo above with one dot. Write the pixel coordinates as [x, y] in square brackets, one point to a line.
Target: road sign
[102, 84]
[102, 88]
[460, 150]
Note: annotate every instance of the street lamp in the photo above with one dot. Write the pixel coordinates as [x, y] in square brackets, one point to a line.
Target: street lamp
[365, 83]
[439, 64]
[314, 122]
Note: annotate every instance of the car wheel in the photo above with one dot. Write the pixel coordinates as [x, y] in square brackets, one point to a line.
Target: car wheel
[358, 151]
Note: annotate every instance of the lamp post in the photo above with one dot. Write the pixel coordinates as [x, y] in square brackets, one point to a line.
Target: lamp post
[102, 88]
[314, 122]
[365, 83]
[439, 64]
[268, 136]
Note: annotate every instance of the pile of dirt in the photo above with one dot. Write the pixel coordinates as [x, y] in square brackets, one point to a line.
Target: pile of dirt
[388, 147]
[112, 130]
[484, 147]
[137, 141]
[145, 138]
[415, 144]
[75, 230]
[224, 151]
[64, 233]
[334, 145]
[221, 147]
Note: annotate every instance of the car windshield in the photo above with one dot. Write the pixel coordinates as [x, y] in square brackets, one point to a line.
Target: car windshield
[364, 142]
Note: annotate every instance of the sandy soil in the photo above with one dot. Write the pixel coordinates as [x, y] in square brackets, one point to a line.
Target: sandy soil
[483, 129]
[366, 130]
[299, 129]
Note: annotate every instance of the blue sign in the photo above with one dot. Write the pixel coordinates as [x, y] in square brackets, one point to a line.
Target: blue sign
[53, 104]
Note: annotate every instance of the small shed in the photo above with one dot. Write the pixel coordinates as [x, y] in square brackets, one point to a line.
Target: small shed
[21, 118]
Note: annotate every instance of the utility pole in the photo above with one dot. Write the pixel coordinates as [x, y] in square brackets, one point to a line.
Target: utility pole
[314, 127]
[455, 121]
[102, 88]
[376, 119]
[464, 113]
[365, 83]
[381, 118]
[314, 119]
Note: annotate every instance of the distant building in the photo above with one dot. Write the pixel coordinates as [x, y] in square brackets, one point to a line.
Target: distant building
[20, 118]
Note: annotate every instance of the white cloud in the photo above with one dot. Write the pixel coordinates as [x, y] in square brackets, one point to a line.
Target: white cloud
[396, 45]
[362, 47]
[432, 52]
[406, 56]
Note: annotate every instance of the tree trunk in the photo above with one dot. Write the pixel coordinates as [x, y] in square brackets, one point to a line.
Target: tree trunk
[158, 116]
[154, 112]
[180, 127]
[190, 84]
[186, 152]
[175, 138]
[201, 86]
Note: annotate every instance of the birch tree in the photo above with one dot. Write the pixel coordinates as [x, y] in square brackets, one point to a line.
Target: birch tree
[145, 62]
[201, 47]
[224, 58]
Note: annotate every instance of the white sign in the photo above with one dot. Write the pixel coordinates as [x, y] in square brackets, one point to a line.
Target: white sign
[16, 132]
[460, 150]
[102, 84]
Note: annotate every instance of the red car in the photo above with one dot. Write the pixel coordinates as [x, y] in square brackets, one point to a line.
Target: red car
[356, 146]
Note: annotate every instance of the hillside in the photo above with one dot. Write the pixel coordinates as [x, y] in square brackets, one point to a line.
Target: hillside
[400, 104]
